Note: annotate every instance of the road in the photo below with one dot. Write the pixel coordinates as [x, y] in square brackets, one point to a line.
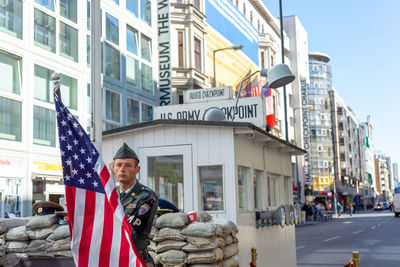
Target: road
[375, 235]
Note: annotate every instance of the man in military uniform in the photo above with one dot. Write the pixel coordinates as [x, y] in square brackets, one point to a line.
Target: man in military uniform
[140, 202]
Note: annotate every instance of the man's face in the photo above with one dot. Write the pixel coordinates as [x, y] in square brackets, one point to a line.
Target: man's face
[125, 170]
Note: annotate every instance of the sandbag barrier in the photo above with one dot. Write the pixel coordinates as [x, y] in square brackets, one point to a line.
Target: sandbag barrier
[33, 237]
[175, 241]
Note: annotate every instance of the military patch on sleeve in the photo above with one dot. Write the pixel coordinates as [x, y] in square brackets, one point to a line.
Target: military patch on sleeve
[143, 209]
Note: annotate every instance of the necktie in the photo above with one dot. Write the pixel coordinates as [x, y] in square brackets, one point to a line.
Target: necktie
[122, 195]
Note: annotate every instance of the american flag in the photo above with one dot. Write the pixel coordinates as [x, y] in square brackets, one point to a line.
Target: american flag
[255, 90]
[100, 232]
[269, 105]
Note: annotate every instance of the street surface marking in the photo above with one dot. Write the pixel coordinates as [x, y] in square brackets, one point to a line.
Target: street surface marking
[347, 222]
[379, 224]
[357, 232]
[329, 239]
[300, 247]
[373, 227]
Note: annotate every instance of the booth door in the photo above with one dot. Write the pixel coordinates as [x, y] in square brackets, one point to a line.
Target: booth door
[168, 171]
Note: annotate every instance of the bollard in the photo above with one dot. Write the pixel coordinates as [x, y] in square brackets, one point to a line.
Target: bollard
[253, 252]
[356, 258]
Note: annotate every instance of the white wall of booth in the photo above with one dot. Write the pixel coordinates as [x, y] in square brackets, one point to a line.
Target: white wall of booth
[229, 169]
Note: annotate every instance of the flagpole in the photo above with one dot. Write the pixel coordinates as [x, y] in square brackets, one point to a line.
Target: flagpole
[95, 81]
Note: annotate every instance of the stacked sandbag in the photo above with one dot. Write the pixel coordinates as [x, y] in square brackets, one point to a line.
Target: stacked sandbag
[177, 242]
[38, 236]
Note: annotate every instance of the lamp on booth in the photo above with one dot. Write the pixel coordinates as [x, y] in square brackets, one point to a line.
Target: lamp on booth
[278, 76]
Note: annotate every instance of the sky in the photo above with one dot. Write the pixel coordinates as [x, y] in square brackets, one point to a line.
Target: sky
[362, 38]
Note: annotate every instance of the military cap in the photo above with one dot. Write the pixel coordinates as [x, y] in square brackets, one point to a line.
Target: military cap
[46, 207]
[125, 152]
[62, 217]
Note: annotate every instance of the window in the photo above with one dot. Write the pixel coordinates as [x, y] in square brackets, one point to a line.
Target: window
[271, 191]
[286, 188]
[88, 55]
[113, 106]
[145, 11]
[244, 9]
[88, 15]
[10, 73]
[11, 17]
[262, 59]
[11, 193]
[112, 62]
[180, 50]
[132, 71]
[147, 78]
[131, 39]
[69, 90]
[43, 84]
[243, 176]
[112, 29]
[132, 6]
[10, 119]
[45, 31]
[197, 54]
[166, 178]
[44, 126]
[133, 111]
[251, 16]
[68, 42]
[89, 107]
[211, 186]
[46, 3]
[257, 183]
[196, 3]
[68, 9]
[147, 112]
[146, 48]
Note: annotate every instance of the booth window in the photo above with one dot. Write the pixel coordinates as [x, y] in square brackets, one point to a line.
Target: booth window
[211, 186]
[11, 195]
[271, 192]
[243, 177]
[257, 182]
[166, 178]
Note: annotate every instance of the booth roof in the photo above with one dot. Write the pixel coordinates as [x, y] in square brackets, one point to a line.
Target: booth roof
[245, 126]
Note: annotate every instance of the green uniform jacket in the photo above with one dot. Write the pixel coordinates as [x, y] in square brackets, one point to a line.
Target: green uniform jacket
[140, 205]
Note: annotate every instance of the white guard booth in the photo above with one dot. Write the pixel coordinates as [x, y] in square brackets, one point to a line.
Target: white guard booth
[232, 170]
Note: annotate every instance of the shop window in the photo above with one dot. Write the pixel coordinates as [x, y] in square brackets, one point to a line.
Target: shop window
[133, 107]
[68, 42]
[211, 186]
[68, 9]
[145, 11]
[243, 177]
[147, 112]
[10, 73]
[11, 197]
[112, 26]
[165, 177]
[132, 71]
[113, 106]
[10, 119]
[11, 17]
[44, 128]
[147, 78]
[146, 47]
[258, 177]
[197, 54]
[112, 62]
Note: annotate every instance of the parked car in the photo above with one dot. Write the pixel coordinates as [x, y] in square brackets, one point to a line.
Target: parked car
[396, 205]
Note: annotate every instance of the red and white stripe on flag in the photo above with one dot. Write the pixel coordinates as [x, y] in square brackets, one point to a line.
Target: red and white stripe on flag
[100, 231]
[269, 109]
[255, 91]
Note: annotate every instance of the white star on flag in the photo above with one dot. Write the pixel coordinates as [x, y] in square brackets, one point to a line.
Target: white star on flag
[95, 184]
[88, 175]
[76, 157]
[69, 147]
[82, 150]
[74, 172]
[81, 181]
[62, 137]
[89, 160]
[69, 132]
[67, 177]
[63, 123]
[82, 166]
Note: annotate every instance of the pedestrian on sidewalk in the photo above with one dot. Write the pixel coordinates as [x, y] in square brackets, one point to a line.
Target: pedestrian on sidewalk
[339, 209]
[351, 209]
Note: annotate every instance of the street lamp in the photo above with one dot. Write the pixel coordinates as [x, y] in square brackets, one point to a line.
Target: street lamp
[278, 76]
[234, 47]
